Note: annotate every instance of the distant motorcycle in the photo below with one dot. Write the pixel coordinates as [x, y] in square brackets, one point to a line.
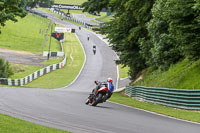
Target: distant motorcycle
[98, 96]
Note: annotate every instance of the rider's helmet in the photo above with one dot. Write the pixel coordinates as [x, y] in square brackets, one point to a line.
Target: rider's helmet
[109, 79]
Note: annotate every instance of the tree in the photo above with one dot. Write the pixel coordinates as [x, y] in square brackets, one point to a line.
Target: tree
[92, 6]
[160, 50]
[196, 7]
[184, 25]
[9, 10]
[126, 29]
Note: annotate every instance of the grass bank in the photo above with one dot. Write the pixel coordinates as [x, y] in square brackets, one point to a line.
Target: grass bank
[13, 125]
[27, 35]
[183, 75]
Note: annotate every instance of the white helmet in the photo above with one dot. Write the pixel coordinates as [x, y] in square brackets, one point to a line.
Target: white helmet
[109, 79]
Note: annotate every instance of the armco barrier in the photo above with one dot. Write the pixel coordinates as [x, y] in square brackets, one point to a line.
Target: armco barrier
[177, 98]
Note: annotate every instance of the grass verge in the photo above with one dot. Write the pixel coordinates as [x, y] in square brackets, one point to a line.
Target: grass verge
[64, 76]
[105, 18]
[21, 71]
[13, 125]
[168, 111]
[123, 71]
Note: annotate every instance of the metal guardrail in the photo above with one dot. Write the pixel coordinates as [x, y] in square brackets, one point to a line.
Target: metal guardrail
[177, 98]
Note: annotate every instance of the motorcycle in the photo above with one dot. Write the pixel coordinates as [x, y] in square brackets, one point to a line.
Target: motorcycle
[99, 96]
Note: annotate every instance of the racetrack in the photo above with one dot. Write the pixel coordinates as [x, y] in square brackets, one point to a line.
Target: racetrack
[64, 108]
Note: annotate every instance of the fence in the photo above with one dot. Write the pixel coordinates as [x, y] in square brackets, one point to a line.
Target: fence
[177, 98]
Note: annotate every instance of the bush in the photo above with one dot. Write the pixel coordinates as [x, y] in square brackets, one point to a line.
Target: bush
[5, 69]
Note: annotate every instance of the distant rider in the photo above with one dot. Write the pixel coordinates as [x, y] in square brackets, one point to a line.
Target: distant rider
[94, 49]
[88, 37]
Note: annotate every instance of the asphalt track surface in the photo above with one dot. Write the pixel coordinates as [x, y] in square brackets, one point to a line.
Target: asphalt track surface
[64, 108]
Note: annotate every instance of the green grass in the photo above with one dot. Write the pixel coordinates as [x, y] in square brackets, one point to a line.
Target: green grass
[21, 71]
[27, 35]
[183, 75]
[70, 2]
[66, 75]
[13, 125]
[123, 71]
[105, 18]
[52, 60]
[177, 113]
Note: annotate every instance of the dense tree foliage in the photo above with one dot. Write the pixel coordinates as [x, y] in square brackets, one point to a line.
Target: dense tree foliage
[9, 10]
[93, 6]
[184, 26]
[173, 33]
[126, 30]
[160, 49]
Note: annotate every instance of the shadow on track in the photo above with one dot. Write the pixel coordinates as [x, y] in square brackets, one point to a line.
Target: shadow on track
[99, 106]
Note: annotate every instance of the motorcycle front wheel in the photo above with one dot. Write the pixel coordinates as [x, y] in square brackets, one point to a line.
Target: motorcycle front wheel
[97, 99]
[87, 102]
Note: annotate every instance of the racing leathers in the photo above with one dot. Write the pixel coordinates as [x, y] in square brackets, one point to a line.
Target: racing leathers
[108, 85]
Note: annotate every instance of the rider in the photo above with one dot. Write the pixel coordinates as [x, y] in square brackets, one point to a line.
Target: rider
[110, 87]
[108, 84]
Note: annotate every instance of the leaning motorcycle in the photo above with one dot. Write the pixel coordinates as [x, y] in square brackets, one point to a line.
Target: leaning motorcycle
[97, 97]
